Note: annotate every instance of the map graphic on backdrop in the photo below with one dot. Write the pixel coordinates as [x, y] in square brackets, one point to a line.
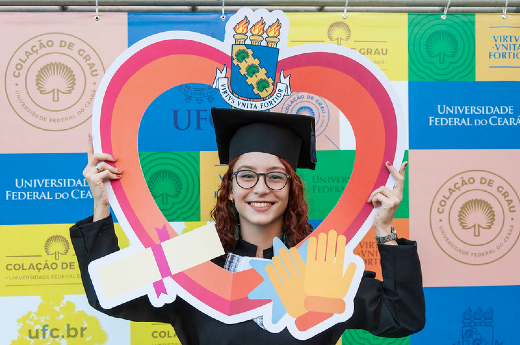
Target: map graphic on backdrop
[262, 72]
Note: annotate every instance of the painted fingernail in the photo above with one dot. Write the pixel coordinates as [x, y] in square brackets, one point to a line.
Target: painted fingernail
[114, 158]
[387, 163]
[119, 170]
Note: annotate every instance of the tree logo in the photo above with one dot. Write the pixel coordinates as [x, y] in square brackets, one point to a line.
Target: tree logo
[57, 322]
[173, 181]
[165, 185]
[442, 45]
[56, 245]
[51, 81]
[338, 32]
[472, 217]
[441, 49]
[55, 78]
[476, 214]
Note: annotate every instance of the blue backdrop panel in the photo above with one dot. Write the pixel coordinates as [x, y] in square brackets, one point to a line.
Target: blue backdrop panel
[44, 188]
[470, 315]
[180, 120]
[464, 115]
[141, 25]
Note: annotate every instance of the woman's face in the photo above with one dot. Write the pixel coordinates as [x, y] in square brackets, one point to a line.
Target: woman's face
[260, 205]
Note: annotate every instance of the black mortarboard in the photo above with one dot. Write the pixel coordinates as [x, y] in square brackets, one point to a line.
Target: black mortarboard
[287, 136]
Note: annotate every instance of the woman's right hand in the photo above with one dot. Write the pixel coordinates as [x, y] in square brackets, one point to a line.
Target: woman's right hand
[95, 172]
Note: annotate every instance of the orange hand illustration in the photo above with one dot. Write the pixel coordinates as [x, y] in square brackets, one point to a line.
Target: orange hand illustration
[287, 276]
[312, 292]
[325, 284]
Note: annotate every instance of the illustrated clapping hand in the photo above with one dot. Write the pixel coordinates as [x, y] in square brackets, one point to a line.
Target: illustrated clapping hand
[313, 291]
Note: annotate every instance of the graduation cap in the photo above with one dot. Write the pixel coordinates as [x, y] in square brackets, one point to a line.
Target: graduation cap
[287, 136]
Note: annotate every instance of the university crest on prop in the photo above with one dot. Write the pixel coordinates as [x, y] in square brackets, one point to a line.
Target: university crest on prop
[254, 59]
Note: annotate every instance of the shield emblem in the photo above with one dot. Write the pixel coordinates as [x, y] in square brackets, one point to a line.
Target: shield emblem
[253, 70]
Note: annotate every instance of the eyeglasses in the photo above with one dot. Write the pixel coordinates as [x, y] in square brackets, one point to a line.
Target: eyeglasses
[275, 180]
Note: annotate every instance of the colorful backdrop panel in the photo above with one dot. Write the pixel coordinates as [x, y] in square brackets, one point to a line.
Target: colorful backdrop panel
[497, 49]
[457, 81]
[40, 111]
[44, 189]
[476, 315]
[441, 49]
[380, 37]
[55, 318]
[465, 216]
[447, 115]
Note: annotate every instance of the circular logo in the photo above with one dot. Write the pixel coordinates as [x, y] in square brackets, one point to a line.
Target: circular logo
[51, 81]
[173, 179]
[302, 103]
[440, 50]
[472, 217]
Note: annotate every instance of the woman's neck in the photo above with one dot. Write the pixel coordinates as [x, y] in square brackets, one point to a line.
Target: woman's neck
[261, 235]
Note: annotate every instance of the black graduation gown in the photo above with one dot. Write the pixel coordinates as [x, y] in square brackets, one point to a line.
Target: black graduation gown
[392, 308]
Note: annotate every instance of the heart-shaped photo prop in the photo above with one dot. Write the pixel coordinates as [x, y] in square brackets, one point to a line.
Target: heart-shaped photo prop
[163, 264]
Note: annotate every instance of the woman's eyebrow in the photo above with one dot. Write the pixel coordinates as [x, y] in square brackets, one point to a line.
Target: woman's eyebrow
[250, 167]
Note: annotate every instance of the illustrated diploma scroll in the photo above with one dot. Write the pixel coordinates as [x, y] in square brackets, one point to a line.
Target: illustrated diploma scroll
[129, 273]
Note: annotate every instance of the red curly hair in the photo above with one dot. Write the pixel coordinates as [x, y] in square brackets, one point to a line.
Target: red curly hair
[295, 223]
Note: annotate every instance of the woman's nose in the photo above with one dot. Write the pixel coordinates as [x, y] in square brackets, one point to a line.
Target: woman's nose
[261, 186]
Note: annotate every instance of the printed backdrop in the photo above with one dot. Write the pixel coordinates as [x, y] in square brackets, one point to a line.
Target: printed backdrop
[456, 79]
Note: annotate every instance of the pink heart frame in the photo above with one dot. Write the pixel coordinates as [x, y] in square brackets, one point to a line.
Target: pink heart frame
[158, 63]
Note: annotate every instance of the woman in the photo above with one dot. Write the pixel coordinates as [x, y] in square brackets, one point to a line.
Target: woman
[261, 197]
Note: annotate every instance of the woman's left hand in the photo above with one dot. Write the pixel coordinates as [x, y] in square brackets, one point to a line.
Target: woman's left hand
[389, 199]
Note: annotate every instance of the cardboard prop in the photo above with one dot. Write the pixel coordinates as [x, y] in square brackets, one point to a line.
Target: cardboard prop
[323, 268]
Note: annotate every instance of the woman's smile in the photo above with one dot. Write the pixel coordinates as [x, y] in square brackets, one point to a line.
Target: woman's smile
[260, 206]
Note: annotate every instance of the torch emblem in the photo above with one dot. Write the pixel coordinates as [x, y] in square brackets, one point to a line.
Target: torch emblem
[254, 59]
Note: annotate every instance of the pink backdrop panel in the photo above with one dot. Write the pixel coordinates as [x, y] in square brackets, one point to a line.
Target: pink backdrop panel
[465, 216]
[39, 116]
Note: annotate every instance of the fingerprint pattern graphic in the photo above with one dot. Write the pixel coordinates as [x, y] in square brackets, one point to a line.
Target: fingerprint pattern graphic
[173, 179]
[362, 337]
[441, 49]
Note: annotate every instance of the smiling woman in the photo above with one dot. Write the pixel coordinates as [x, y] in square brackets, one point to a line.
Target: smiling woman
[261, 201]
[259, 209]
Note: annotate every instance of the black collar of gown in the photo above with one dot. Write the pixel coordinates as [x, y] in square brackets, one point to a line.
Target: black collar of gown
[243, 248]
